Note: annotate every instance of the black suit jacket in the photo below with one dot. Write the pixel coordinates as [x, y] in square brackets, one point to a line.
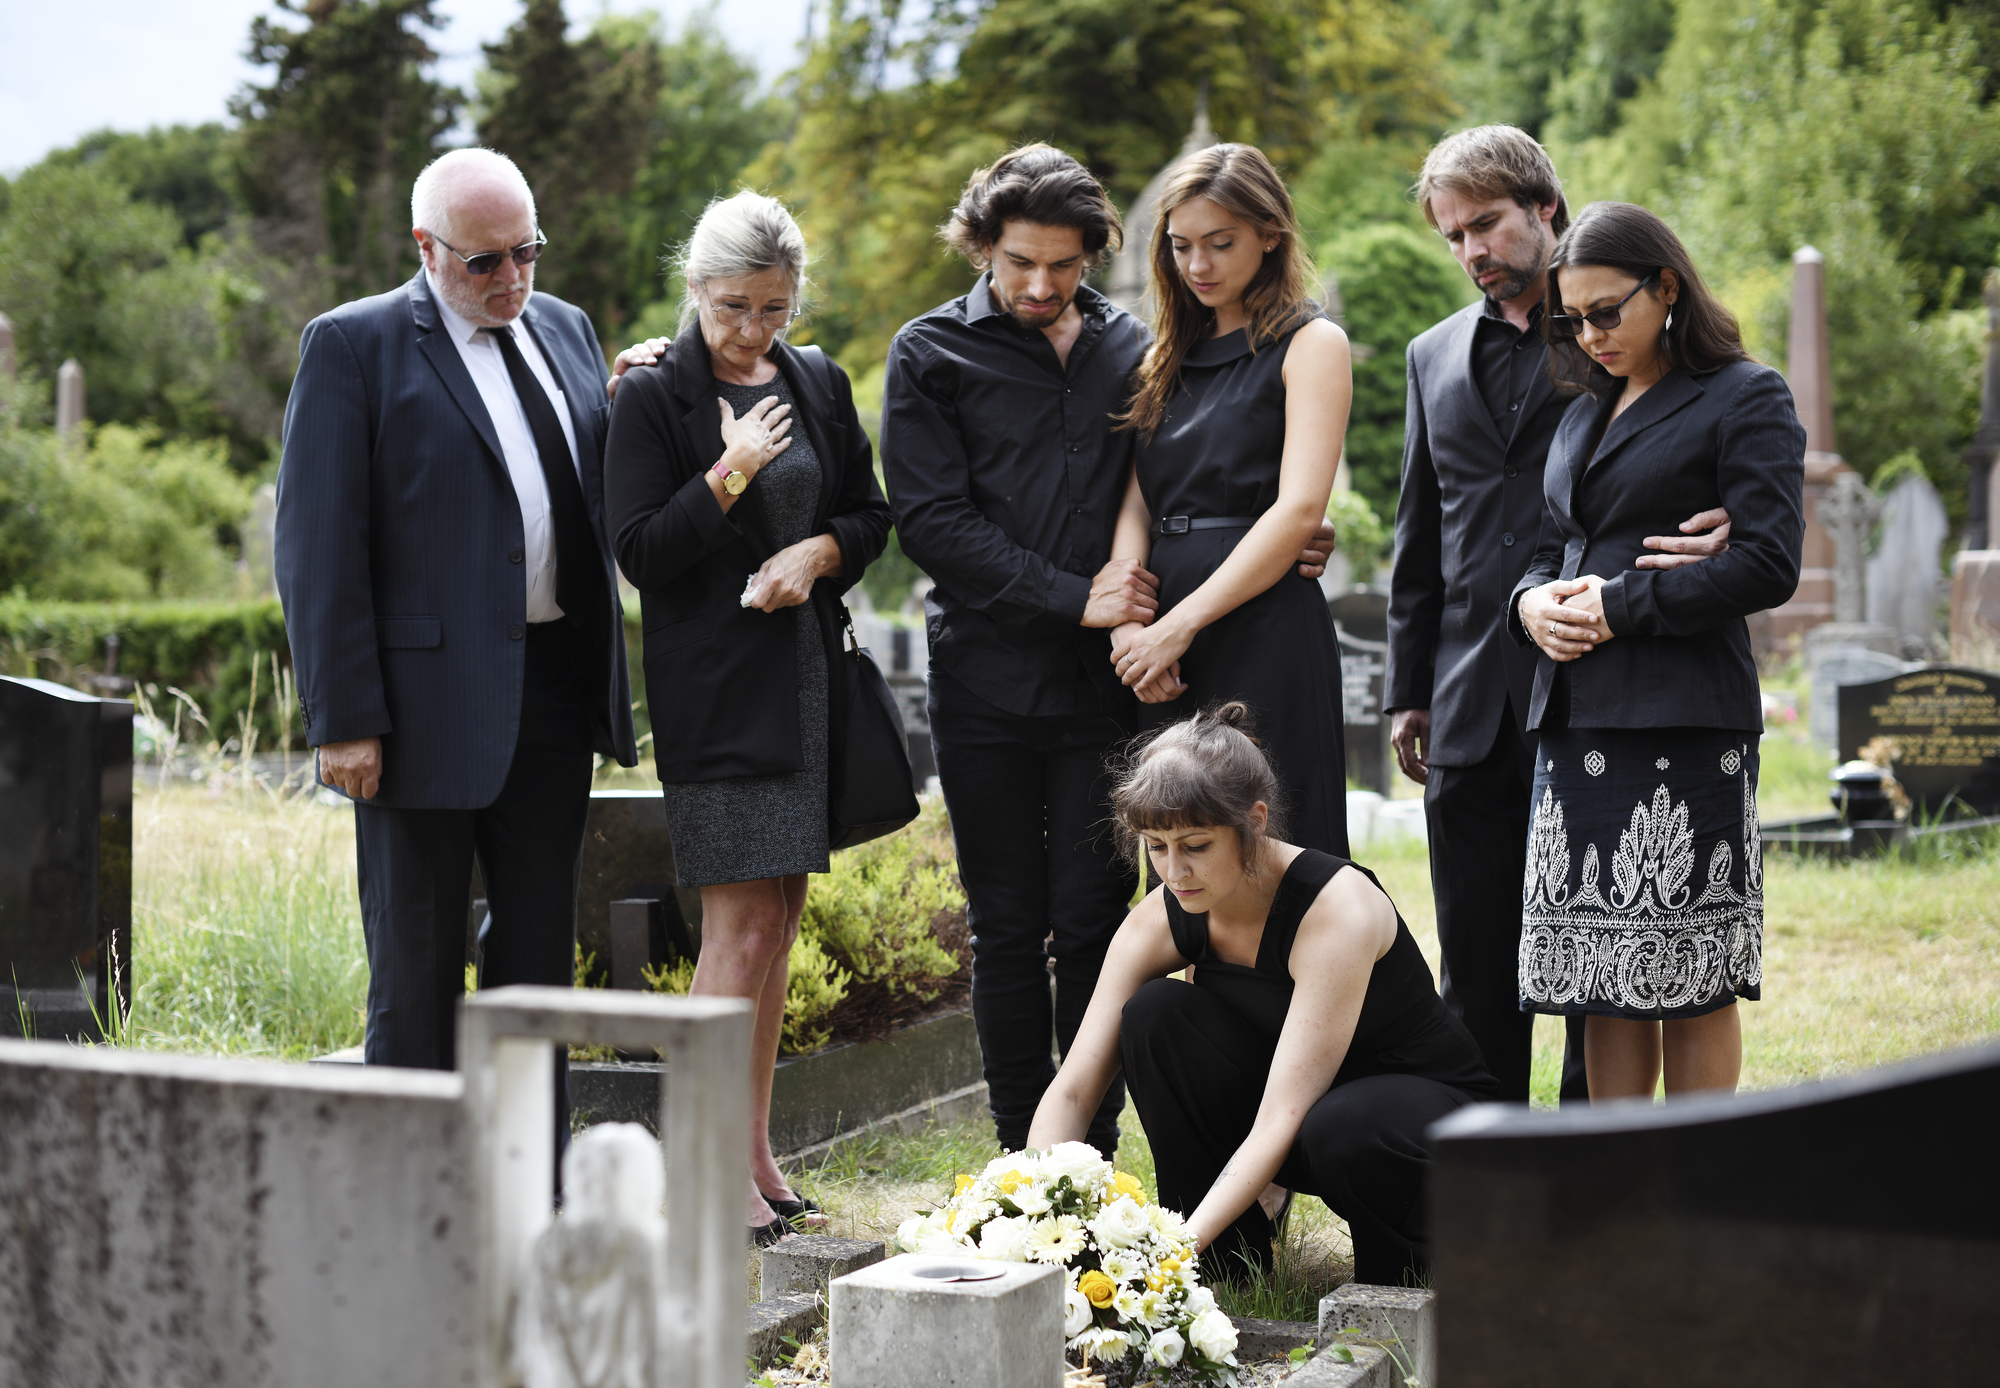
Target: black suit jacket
[1680, 654]
[399, 546]
[723, 678]
[1466, 524]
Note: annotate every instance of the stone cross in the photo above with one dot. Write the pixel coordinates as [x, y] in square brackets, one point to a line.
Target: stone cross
[1849, 513]
[69, 396]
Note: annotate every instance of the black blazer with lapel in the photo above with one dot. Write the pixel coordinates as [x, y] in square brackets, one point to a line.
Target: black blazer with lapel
[723, 678]
[1466, 524]
[399, 542]
[1680, 650]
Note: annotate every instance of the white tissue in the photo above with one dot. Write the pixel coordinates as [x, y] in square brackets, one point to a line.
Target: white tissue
[749, 598]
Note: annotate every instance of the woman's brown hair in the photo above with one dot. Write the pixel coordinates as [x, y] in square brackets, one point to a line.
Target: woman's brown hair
[1240, 180]
[1624, 236]
[1208, 771]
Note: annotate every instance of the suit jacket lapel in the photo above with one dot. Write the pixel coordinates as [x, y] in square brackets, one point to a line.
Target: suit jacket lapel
[444, 358]
[1568, 459]
[817, 409]
[1667, 397]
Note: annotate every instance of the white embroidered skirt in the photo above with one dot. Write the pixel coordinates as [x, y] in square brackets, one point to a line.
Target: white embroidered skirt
[1644, 894]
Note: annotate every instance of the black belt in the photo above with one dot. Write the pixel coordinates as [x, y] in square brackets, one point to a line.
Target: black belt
[1180, 525]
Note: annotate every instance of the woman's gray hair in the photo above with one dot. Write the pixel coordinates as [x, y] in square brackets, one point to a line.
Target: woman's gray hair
[742, 235]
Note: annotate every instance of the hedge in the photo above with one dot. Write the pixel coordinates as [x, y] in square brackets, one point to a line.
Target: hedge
[206, 650]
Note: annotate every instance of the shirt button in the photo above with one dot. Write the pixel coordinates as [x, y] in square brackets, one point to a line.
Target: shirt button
[514, 633]
[1515, 406]
[1513, 471]
[1507, 539]
[513, 556]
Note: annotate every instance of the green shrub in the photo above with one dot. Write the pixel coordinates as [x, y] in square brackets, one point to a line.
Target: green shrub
[1361, 536]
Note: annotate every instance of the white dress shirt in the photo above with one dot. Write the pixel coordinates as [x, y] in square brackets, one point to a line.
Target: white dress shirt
[482, 358]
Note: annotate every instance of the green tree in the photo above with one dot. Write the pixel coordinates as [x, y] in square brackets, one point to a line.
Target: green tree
[579, 118]
[1559, 69]
[179, 167]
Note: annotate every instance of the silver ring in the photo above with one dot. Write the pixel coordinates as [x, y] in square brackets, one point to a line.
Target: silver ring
[1552, 628]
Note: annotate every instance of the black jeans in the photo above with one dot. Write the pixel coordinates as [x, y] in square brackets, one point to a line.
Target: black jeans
[415, 869]
[1478, 822]
[1031, 819]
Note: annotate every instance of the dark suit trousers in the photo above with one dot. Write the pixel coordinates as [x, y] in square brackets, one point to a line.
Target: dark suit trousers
[415, 869]
[1478, 821]
[1031, 819]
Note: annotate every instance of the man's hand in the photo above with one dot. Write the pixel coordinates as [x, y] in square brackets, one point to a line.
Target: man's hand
[1122, 592]
[1690, 546]
[1312, 559]
[1409, 728]
[641, 354]
[354, 767]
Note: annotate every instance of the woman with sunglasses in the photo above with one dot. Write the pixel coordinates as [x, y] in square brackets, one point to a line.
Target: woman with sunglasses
[740, 493]
[1644, 898]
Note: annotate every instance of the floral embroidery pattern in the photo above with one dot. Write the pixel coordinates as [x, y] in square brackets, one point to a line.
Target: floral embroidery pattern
[1662, 764]
[1730, 761]
[1593, 763]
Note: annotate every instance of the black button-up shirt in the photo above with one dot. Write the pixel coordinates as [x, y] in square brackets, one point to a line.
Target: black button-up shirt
[1504, 362]
[1006, 477]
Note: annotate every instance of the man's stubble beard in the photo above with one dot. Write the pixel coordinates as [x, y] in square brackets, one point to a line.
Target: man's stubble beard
[469, 303]
[1039, 321]
[1517, 278]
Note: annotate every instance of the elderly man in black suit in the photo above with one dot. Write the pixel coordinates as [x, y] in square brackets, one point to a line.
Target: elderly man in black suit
[451, 603]
[1482, 413]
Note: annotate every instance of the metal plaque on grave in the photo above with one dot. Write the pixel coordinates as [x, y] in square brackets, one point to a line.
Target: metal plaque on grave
[1943, 722]
[1361, 622]
[65, 859]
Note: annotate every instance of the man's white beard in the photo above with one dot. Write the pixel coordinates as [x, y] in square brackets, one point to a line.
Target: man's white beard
[469, 303]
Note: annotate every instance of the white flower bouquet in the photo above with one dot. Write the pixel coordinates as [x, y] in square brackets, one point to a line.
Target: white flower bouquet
[1132, 1290]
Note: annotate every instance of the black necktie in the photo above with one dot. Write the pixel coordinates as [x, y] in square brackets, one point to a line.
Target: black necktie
[579, 579]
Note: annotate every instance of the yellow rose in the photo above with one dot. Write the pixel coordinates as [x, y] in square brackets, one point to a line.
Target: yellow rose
[1124, 1183]
[1011, 1182]
[1097, 1289]
[1170, 1264]
[964, 1184]
[1155, 1282]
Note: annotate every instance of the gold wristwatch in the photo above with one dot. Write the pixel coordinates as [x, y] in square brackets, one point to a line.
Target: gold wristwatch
[732, 481]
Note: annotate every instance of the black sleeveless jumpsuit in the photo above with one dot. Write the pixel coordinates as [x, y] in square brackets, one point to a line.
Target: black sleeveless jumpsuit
[1212, 467]
[1197, 1058]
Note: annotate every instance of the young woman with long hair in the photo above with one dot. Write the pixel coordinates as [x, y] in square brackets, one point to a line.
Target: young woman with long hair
[1240, 408]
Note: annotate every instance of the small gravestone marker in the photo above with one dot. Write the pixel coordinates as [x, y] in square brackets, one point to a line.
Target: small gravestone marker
[1904, 580]
[1943, 726]
[1361, 622]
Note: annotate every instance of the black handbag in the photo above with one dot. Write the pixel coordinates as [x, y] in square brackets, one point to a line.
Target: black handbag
[869, 792]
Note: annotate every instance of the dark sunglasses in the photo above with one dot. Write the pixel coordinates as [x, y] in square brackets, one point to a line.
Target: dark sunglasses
[1603, 319]
[486, 262]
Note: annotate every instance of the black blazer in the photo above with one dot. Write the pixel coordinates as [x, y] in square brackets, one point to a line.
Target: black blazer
[723, 678]
[1466, 526]
[399, 540]
[1680, 654]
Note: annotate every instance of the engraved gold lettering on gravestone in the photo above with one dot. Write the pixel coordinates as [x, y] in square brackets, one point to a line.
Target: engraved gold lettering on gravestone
[1941, 719]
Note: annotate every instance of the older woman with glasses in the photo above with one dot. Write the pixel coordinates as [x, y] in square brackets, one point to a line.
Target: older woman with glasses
[741, 497]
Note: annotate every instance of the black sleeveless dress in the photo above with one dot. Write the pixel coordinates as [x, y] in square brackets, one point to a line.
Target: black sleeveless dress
[1197, 1060]
[1208, 473]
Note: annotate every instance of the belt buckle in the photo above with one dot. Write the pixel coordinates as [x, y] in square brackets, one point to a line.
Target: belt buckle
[1173, 525]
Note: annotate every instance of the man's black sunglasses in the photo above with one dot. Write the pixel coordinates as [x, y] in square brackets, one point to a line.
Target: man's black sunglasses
[1603, 319]
[486, 262]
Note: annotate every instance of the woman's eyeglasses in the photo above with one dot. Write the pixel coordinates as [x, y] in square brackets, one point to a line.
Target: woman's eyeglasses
[737, 316]
[486, 262]
[1603, 319]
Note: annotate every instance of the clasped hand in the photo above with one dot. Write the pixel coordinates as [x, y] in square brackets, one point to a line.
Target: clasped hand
[1148, 659]
[786, 578]
[1566, 617]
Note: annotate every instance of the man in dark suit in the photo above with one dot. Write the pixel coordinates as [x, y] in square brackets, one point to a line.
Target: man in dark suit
[1482, 413]
[451, 602]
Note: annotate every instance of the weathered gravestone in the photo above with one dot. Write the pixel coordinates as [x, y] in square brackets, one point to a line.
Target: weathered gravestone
[1837, 666]
[1846, 1231]
[1361, 622]
[1904, 580]
[1944, 724]
[65, 859]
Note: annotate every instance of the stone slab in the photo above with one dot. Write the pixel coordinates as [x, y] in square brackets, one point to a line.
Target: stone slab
[1261, 1339]
[903, 1324]
[1403, 1317]
[806, 1264]
[1845, 1231]
[169, 1221]
[766, 1323]
[1368, 1367]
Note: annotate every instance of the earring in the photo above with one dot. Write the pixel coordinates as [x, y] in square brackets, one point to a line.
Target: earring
[1670, 321]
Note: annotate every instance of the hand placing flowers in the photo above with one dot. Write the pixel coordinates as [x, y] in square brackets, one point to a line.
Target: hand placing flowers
[1130, 1288]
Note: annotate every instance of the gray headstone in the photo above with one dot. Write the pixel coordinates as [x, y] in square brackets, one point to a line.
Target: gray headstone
[65, 859]
[1944, 722]
[69, 396]
[1361, 622]
[1905, 584]
[1840, 665]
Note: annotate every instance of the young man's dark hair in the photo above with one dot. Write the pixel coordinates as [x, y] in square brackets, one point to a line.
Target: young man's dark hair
[1035, 183]
[1492, 161]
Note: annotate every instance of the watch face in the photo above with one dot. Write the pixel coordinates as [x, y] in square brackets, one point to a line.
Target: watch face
[734, 483]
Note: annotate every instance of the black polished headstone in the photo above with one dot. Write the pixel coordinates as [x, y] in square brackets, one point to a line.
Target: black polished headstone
[1945, 723]
[1361, 621]
[1846, 1231]
[65, 859]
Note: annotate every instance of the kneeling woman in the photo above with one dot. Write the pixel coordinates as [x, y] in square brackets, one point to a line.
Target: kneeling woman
[1311, 1050]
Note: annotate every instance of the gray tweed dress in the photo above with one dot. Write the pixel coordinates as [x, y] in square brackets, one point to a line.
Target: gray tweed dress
[753, 827]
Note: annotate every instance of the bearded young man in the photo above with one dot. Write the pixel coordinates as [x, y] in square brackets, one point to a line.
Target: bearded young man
[1005, 476]
[1482, 413]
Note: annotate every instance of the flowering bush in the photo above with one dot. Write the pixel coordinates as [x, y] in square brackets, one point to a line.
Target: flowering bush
[1131, 1287]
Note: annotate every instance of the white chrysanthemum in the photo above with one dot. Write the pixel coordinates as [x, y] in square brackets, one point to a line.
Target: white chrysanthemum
[1005, 1239]
[908, 1232]
[1153, 1308]
[1076, 1313]
[968, 1214]
[1167, 1224]
[1213, 1334]
[939, 1240]
[1121, 1265]
[1126, 1304]
[1166, 1348]
[1086, 1169]
[1190, 1276]
[1056, 1239]
[1198, 1301]
[1030, 1201]
[1102, 1342]
[1121, 1224]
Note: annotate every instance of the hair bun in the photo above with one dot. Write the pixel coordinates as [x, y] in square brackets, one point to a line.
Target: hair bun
[1236, 714]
